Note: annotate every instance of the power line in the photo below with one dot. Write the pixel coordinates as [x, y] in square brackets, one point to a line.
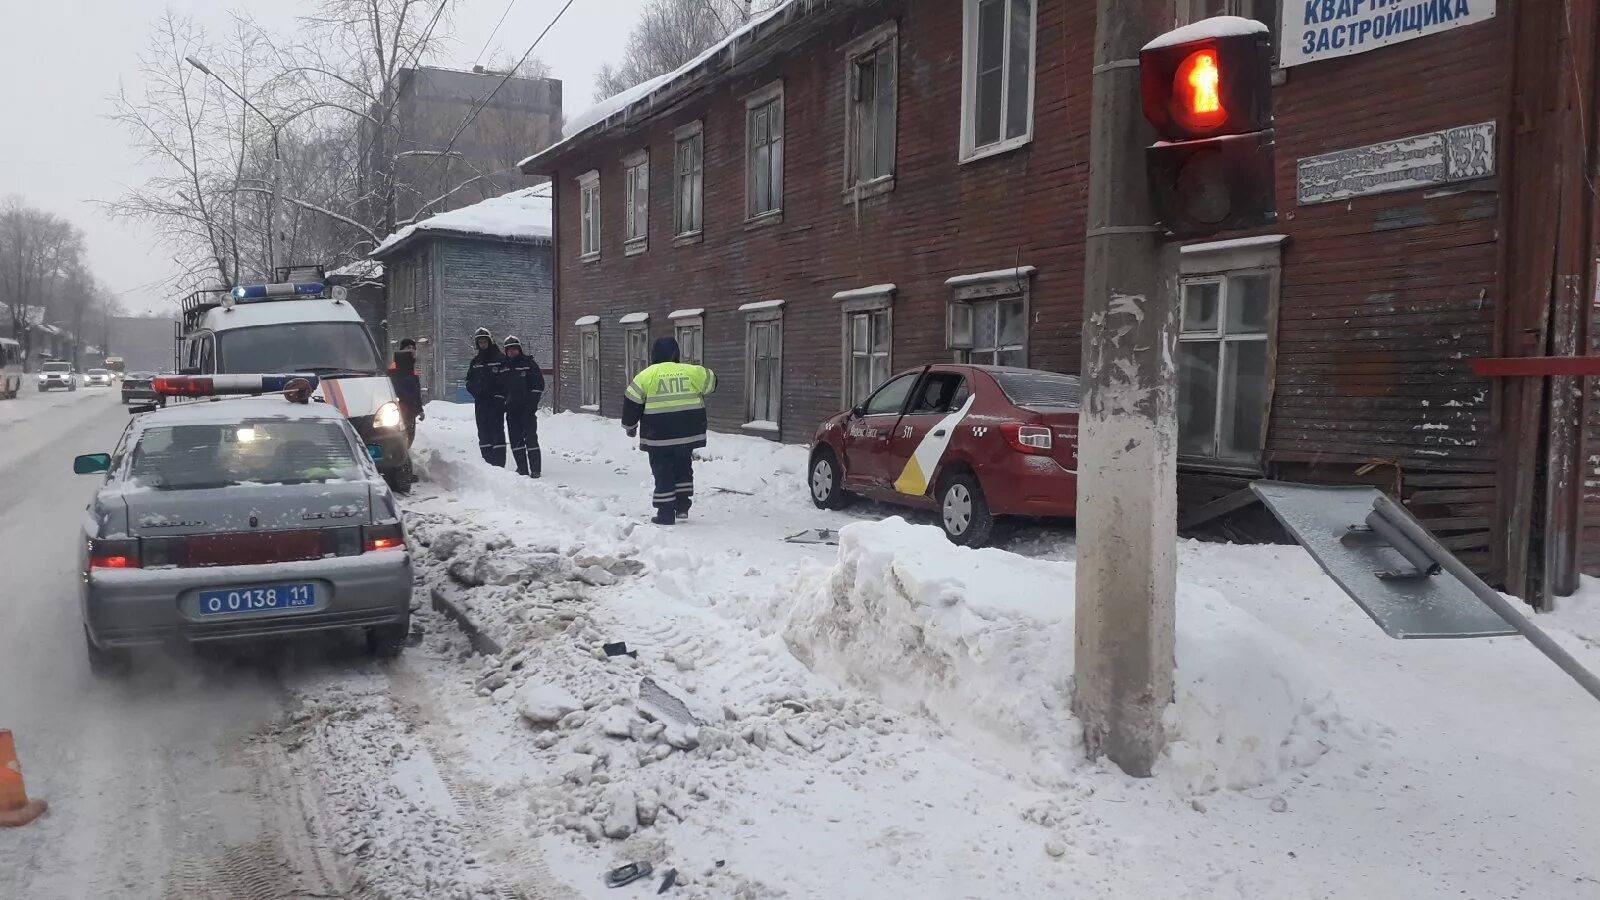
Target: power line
[486, 43]
[479, 107]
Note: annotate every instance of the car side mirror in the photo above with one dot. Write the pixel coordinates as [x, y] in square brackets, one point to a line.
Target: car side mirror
[189, 370]
[858, 410]
[91, 464]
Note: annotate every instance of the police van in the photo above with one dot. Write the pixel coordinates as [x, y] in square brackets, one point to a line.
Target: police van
[297, 327]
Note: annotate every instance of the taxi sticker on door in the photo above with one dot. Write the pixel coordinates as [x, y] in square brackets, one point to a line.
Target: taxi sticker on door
[924, 460]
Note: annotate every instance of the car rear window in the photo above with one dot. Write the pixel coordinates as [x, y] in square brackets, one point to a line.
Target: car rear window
[191, 457]
[1039, 389]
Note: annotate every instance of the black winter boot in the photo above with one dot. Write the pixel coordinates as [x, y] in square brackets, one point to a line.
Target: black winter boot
[664, 516]
[535, 463]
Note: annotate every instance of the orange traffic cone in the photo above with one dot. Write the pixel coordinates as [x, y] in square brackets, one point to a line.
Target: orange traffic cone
[15, 807]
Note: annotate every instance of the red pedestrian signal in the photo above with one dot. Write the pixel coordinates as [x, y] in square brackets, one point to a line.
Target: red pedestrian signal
[1207, 89]
[1197, 90]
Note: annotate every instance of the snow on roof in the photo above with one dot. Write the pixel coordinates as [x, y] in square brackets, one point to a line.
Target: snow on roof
[519, 215]
[1214, 27]
[634, 318]
[605, 109]
[686, 313]
[760, 305]
[361, 268]
[587, 320]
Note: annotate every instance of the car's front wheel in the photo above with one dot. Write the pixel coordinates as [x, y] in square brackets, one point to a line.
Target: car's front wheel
[964, 512]
[387, 641]
[827, 481]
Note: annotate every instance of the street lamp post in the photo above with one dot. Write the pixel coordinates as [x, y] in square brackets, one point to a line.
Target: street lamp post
[277, 162]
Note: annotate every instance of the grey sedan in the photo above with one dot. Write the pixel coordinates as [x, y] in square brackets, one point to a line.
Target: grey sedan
[240, 518]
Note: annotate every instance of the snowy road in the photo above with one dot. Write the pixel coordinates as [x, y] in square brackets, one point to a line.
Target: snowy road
[157, 788]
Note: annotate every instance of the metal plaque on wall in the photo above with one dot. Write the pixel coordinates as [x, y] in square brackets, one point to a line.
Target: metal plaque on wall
[1423, 160]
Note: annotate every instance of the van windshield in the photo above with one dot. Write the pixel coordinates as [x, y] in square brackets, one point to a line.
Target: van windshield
[320, 348]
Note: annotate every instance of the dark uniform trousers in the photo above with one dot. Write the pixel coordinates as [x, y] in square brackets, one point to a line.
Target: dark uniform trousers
[491, 415]
[522, 427]
[673, 468]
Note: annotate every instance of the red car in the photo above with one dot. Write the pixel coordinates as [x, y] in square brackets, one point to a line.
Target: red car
[972, 442]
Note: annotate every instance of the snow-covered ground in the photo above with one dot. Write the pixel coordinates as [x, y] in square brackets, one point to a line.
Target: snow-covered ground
[889, 717]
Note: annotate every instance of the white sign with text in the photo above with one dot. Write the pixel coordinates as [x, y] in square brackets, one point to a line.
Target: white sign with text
[1315, 30]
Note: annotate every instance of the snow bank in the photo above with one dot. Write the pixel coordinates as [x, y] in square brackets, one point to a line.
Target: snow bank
[520, 214]
[983, 641]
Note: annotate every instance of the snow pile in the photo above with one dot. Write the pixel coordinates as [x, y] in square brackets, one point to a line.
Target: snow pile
[983, 641]
[522, 214]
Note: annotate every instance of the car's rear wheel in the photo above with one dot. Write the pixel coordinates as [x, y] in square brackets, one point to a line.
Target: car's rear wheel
[386, 641]
[827, 481]
[106, 663]
[964, 512]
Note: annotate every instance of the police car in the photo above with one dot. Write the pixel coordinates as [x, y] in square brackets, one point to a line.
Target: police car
[295, 327]
[970, 442]
[248, 517]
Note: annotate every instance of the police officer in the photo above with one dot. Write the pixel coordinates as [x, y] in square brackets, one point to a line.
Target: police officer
[665, 405]
[524, 385]
[486, 384]
[407, 386]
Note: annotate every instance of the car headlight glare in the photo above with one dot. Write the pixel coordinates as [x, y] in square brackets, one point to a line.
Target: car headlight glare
[387, 416]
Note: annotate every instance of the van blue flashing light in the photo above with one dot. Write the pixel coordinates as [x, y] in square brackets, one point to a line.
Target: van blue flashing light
[250, 292]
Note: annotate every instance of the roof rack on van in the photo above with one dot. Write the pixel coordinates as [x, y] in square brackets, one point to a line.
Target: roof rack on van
[198, 303]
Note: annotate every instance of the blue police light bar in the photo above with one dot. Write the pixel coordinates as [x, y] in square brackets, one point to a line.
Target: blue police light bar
[249, 292]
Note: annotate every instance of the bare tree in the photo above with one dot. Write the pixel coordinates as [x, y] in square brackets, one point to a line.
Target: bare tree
[38, 252]
[670, 33]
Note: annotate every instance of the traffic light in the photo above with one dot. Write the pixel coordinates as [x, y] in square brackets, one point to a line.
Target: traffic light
[1209, 97]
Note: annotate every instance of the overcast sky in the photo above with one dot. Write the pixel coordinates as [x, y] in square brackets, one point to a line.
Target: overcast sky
[61, 59]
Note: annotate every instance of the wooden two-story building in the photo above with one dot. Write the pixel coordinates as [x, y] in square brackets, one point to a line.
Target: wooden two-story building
[851, 187]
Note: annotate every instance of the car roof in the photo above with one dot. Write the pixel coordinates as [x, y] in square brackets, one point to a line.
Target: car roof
[278, 312]
[228, 410]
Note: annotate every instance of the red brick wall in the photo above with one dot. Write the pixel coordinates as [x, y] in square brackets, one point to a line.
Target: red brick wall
[943, 218]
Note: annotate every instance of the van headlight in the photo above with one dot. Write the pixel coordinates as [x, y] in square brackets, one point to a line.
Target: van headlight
[387, 416]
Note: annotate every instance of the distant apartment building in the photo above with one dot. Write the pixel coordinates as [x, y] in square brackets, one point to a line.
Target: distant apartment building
[505, 116]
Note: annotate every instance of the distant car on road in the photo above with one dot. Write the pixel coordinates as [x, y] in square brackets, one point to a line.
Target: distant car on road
[240, 518]
[139, 386]
[57, 374]
[97, 378]
[969, 442]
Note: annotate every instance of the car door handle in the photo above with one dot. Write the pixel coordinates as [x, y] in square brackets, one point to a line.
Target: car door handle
[939, 433]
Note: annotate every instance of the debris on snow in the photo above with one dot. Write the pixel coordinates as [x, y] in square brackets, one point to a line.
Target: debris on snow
[545, 704]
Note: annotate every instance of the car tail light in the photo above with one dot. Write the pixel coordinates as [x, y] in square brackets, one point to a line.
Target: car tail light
[1027, 438]
[120, 554]
[383, 537]
[159, 553]
[341, 541]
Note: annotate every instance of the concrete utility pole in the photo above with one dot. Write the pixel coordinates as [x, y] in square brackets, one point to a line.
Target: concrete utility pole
[1127, 512]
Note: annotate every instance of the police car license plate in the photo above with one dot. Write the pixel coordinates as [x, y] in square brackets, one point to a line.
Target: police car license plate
[257, 599]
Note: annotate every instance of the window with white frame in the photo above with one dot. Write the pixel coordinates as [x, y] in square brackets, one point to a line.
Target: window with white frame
[990, 331]
[689, 180]
[870, 340]
[636, 348]
[871, 108]
[690, 332]
[763, 365]
[589, 365]
[636, 177]
[998, 65]
[589, 215]
[1223, 363]
[764, 152]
